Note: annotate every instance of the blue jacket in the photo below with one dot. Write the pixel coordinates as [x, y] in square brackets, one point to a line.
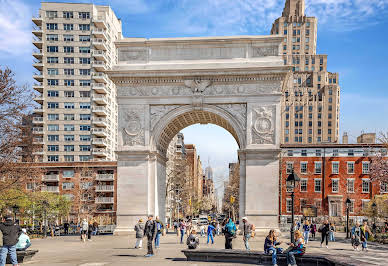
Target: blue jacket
[210, 229]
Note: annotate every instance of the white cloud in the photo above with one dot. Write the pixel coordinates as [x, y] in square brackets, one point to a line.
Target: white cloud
[15, 30]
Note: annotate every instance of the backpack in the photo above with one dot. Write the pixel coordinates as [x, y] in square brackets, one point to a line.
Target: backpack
[230, 229]
[253, 230]
[158, 226]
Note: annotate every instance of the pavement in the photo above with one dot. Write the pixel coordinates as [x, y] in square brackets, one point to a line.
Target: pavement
[119, 250]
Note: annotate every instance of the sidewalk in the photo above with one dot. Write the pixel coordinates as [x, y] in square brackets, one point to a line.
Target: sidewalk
[118, 250]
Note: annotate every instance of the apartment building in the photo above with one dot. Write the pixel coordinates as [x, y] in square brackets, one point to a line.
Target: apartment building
[311, 102]
[329, 175]
[76, 120]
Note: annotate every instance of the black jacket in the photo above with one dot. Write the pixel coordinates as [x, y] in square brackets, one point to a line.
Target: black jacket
[150, 229]
[11, 233]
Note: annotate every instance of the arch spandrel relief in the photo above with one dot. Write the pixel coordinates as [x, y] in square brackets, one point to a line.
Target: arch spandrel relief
[132, 126]
[264, 125]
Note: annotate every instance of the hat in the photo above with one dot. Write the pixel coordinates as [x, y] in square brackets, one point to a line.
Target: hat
[245, 218]
[24, 230]
[141, 220]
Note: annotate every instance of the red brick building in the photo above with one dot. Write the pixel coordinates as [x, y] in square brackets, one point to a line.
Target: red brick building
[329, 173]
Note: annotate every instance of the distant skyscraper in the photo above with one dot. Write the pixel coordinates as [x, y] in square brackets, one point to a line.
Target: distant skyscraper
[209, 172]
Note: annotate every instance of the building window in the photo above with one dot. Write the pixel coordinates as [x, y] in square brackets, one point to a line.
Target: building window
[67, 14]
[318, 153]
[365, 186]
[68, 60]
[51, 26]
[288, 205]
[84, 138]
[84, 50]
[69, 105]
[350, 167]
[84, 158]
[317, 167]
[304, 152]
[84, 72]
[52, 82]
[52, 117]
[85, 117]
[52, 37]
[69, 138]
[84, 27]
[318, 203]
[69, 94]
[365, 168]
[52, 158]
[84, 105]
[53, 138]
[68, 128]
[52, 60]
[67, 185]
[84, 15]
[383, 187]
[317, 185]
[53, 127]
[68, 71]
[351, 206]
[52, 148]
[68, 82]
[84, 128]
[290, 153]
[68, 26]
[52, 49]
[335, 168]
[68, 173]
[303, 185]
[84, 60]
[335, 153]
[69, 148]
[289, 167]
[335, 185]
[84, 147]
[68, 49]
[351, 152]
[84, 94]
[303, 167]
[84, 38]
[350, 185]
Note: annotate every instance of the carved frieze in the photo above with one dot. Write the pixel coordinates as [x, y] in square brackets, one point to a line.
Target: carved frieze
[132, 121]
[126, 55]
[265, 51]
[158, 111]
[238, 111]
[263, 126]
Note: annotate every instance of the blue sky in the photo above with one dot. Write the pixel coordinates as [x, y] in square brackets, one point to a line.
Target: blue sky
[354, 33]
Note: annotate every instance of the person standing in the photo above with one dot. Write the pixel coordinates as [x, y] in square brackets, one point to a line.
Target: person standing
[356, 236]
[230, 233]
[95, 228]
[247, 232]
[313, 230]
[182, 228]
[66, 228]
[365, 232]
[90, 231]
[11, 233]
[306, 231]
[150, 232]
[324, 230]
[332, 230]
[24, 241]
[84, 226]
[210, 229]
[159, 230]
[202, 229]
[139, 229]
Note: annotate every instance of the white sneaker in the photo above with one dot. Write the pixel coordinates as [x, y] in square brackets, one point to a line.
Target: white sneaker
[321, 244]
[327, 247]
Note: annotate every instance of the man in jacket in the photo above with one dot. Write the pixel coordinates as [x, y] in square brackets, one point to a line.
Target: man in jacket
[247, 232]
[150, 233]
[11, 233]
[159, 230]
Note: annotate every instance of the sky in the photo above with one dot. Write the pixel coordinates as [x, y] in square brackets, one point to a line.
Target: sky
[354, 34]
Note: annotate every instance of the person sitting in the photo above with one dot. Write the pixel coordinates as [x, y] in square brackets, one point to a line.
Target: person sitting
[297, 248]
[24, 241]
[270, 244]
[192, 240]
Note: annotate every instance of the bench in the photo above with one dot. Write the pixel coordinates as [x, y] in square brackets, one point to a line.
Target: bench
[252, 257]
[23, 256]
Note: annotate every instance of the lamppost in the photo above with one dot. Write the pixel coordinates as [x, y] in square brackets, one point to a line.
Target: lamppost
[348, 202]
[45, 206]
[291, 183]
[374, 208]
[15, 209]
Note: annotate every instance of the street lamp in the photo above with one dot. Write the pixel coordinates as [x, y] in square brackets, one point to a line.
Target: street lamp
[291, 183]
[374, 208]
[15, 209]
[348, 202]
[45, 206]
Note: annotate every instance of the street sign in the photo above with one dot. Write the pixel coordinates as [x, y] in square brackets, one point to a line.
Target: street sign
[232, 199]
[310, 211]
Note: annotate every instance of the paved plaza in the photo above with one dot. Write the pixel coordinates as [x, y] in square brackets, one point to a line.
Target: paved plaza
[118, 250]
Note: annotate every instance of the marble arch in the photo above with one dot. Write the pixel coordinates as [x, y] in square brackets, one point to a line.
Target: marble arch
[165, 85]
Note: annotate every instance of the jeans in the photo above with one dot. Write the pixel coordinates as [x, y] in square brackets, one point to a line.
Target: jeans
[157, 240]
[291, 257]
[202, 232]
[182, 235]
[149, 245]
[210, 235]
[324, 237]
[4, 252]
[139, 243]
[364, 244]
[274, 257]
[332, 238]
[22, 249]
[306, 235]
[246, 241]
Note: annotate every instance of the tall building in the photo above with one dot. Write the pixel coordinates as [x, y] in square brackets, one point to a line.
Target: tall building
[77, 116]
[195, 171]
[209, 172]
[311, 102]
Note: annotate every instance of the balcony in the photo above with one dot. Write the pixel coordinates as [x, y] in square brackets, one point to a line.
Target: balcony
[105, 188]
[37, 31]
[100, 88]
[51, 178]
[100, 110]
[100, 142]
[39, 99]
[37, 53]
[100, 99]
[37, 141]
[105, 177]
[101, 132]
[38, 76]
[105, 200]
[38, 110]
[99, 152]
[100, 77]
[38, 87]
[38, 65]
[100, 55]
[54, 189]
[37, 130]
[37, 120]
[100, 22]
[99, 44]
[38, 21]
[99, 65]
[37, 42]
[38, 152]
[101, 122]
[100, 33]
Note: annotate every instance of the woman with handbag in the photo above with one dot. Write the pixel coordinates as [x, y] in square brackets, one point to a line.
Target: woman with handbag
[324, 229]
[298, 248]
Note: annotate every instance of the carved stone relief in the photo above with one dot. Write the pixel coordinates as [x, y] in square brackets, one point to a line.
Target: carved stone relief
[263, 126]
[265, 51]
[158, 111]
[132, 55]
[133, 127]
[198, 87]
[238, 111]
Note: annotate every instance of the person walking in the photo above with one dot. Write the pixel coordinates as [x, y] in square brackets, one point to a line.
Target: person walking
[192, 241]
[66, 228]
[230, 233]
[324, 230]
[90, 231]
[11, 233]
[84, 226]
[95, 228]
[332, 230]
[306, 231]
[297, 248]
[159, 230]
[270, 244]
[210, 229]
[313, 229]
[139, 229]
[202, 229]
[24, 241]
[150, 232]
[182, 228]
[356, 236]
[365, 232]
[247, 232]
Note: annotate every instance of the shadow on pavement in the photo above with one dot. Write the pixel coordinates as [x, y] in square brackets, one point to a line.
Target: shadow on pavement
[176, 259]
